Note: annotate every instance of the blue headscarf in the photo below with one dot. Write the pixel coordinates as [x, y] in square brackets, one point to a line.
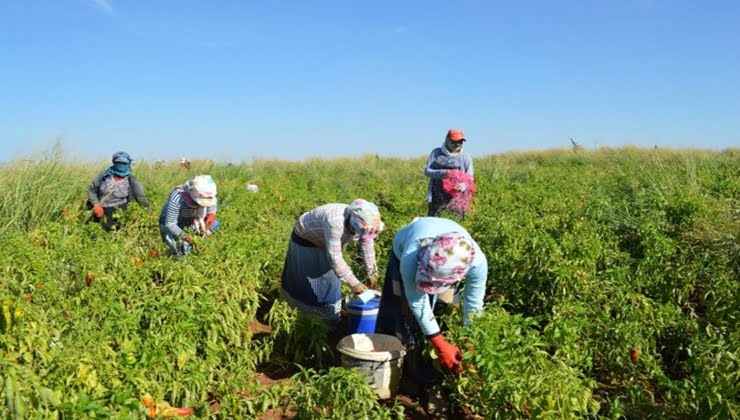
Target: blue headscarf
[121, 165]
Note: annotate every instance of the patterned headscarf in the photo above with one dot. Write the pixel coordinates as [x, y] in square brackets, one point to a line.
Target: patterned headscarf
[365, 218]
[443, 262]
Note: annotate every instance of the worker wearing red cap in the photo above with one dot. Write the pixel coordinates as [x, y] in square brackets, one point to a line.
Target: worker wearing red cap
[450, 156]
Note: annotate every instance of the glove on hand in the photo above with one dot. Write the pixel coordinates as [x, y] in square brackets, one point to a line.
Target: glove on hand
[97, 210]
[210, 219]
[449, 355]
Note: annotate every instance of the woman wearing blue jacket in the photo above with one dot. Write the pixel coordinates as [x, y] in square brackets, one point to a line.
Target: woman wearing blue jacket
[430, 255]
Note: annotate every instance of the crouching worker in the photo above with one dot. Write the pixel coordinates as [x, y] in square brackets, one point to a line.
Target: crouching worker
[430, 255]
[112, 189]
[314, 266]
[190, 205]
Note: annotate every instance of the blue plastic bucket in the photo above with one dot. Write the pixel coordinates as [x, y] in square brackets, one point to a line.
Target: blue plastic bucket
[362, 316]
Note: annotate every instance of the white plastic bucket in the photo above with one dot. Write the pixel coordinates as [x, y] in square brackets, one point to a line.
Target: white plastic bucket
[378, 357]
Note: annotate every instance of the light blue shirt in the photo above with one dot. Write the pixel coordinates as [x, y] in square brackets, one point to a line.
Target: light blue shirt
[406, 248]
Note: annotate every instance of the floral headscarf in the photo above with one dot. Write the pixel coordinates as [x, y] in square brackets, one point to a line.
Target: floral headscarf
[365, 218]
[443, 262]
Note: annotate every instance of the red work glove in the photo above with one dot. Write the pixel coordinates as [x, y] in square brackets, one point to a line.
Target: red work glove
[210, 219]
[186, 238]
[449, 355]
[97, 210]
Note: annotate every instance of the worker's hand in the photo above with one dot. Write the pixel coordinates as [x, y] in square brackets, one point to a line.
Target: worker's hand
[450, 356]
[97, 210]
[187, 239]
[210, 219]
[372, 281]
[359, 288]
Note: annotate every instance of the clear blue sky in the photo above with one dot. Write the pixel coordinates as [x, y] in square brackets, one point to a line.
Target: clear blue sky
[291, 79]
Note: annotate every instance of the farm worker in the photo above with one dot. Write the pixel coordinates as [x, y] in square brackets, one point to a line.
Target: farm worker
[315, 267]
[430, 255]
[192, 204]
[441, 161]
[113, 189]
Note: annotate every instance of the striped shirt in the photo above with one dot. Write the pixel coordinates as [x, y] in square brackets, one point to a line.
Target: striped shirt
[176, 214]
[325, 227]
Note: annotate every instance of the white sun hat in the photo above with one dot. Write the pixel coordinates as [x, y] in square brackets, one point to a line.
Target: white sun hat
[202, 189]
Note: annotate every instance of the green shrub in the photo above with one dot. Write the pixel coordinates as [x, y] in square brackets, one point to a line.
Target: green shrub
[509, 373]
[340, 393]
[593, 254]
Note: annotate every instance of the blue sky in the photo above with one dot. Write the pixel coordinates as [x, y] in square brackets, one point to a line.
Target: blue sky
[291, 79]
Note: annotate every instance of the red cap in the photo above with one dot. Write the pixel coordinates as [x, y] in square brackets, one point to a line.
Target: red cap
[455, 134]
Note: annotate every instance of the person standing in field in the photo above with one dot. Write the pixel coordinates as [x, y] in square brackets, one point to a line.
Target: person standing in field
[430, 256]
[315, 268]
[190, 205]
[112, 189]
[450, 156]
